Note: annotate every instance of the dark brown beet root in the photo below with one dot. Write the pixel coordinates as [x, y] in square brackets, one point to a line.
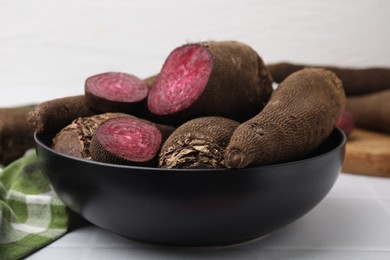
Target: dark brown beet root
[53, 115]
[16, 136]
[226, 79]
[115, 92]
[126, 140]
[74, 139]
[371, 111]
[198, 143]
[355, 81]
[300, 115]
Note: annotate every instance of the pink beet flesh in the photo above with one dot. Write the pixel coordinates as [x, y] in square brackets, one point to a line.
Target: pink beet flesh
[117, 86]
[346, 122]
[181, 81]
[130, 138]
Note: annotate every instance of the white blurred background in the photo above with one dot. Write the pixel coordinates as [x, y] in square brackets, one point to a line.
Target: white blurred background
[49, 47]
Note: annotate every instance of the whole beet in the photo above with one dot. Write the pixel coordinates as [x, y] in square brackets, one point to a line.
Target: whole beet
[300, 115]
[198, 143]
[356, 81]
[371, 111]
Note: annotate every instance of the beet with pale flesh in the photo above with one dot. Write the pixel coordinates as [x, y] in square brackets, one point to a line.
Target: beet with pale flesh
[226, 78]
[198, 143]
[126, 140]
[300, 115]
[116, 92]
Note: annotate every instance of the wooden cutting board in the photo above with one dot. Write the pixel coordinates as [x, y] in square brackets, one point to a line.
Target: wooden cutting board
[367, 153]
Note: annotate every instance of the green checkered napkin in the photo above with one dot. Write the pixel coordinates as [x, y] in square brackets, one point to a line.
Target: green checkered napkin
[31, 215]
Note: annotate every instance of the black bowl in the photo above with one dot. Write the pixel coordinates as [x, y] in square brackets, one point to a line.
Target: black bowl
[183, 207]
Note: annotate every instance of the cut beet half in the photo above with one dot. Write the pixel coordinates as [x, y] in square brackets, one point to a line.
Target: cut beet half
[124, 140]
[110, 90]
[182, 80]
